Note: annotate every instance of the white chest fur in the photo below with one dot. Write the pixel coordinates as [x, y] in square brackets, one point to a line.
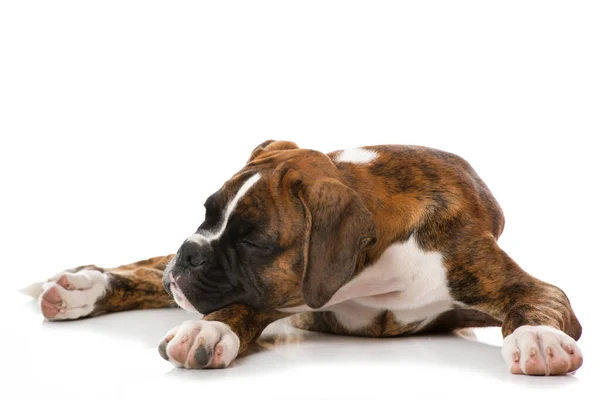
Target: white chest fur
[405, 280]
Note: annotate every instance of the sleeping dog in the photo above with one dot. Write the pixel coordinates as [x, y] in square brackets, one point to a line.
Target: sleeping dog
[376, 241]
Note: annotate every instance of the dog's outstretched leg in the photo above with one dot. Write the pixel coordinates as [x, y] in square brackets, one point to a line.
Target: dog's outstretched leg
[217, 340]
[539, 325]
[89, 290]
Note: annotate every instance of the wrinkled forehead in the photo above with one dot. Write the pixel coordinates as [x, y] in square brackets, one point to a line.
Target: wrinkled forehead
[247, 183]
[236, 187]
[239, 196]
[248, 193]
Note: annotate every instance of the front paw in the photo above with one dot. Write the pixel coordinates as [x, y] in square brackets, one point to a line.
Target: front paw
[541, 350]
[72, 295]
[200, 344]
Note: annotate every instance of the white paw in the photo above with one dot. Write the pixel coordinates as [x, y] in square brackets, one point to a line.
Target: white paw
[200, 344]
[72, 295]
[541, 350]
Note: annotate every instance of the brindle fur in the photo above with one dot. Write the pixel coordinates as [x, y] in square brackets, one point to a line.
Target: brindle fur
[433, 195]
[245, 322]
[386, 325]
[133, 286]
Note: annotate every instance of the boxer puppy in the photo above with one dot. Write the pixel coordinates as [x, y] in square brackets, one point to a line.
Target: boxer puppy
[376, 241]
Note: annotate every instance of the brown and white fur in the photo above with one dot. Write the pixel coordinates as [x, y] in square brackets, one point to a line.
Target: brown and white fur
[378, 241]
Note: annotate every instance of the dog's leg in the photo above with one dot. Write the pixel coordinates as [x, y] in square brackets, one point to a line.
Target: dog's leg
[89, 290]
[217, 340]
[539, 325]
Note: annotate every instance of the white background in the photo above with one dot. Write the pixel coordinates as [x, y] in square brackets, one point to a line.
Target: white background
[118, 118]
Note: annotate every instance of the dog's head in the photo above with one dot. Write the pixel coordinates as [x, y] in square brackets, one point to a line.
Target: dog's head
[284, 231]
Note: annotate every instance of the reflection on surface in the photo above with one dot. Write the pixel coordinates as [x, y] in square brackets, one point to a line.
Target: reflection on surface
[285, 348]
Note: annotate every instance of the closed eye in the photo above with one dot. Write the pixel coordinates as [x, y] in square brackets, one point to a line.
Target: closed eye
[250, 243]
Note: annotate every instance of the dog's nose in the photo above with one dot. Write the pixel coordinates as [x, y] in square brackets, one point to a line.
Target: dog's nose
[190, 254]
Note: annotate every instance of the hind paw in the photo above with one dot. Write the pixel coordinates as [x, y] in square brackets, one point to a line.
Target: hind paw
[541, 350]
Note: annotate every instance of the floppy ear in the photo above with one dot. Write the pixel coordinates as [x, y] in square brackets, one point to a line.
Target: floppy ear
[339, 226]
[272, 145]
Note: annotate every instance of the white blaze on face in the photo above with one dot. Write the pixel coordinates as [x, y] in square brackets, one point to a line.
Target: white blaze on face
[358, 156]
[207, 237]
